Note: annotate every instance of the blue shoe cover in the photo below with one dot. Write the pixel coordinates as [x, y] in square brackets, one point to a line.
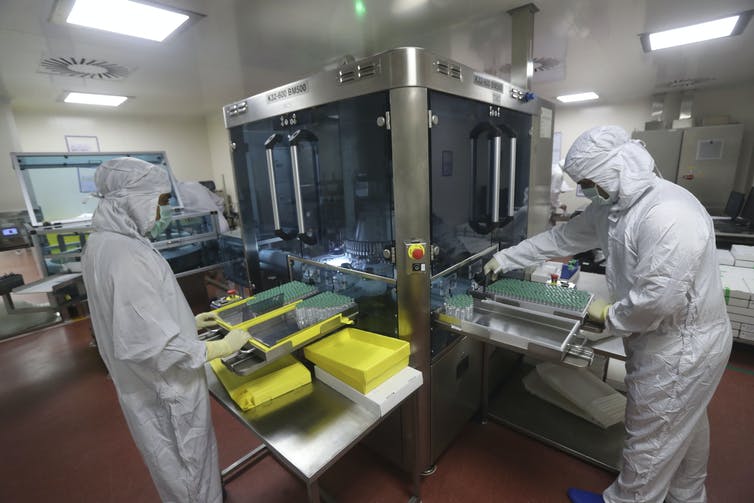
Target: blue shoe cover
[581, 496]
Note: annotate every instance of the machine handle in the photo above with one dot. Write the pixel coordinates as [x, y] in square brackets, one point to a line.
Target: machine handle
[496, 152]
[294, 139]
[512, 182]
[512, 185]
[268, 146]
[494, 134]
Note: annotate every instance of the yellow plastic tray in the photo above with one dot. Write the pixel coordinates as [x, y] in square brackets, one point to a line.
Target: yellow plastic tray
[361, 359]
[276, 379]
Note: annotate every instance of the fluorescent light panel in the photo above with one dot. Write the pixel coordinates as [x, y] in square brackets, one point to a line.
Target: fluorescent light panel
[107, 100]
[127, 18]
[572, 98]
[694, 33]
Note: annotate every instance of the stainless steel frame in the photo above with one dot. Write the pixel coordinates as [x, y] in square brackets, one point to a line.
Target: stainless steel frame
[404, 67]
[408, 74]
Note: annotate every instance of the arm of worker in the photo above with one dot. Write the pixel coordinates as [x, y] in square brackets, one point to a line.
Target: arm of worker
[669, 251]
[575, 236]
[145, 331]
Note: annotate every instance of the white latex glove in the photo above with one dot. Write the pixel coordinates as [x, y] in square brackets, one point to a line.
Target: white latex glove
[597, 309]
[206, 320]
[492, 267]
[232, 342]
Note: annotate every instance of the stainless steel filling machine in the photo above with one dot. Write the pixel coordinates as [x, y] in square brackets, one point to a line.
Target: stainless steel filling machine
[391, 180]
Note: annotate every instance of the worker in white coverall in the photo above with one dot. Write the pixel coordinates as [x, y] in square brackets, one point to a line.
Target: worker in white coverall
[666, 301]
[147, 334]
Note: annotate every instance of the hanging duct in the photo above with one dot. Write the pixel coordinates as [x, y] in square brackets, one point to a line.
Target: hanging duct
[671, 111]
[522, 46]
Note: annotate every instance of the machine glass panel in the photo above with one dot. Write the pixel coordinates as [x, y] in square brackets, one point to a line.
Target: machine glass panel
[374, 297]
[58, 187]
[473, 147]
[316, 183]
[189, 242]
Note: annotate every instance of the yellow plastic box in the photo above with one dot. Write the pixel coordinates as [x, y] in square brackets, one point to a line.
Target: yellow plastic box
[361, 359]
[271, 381]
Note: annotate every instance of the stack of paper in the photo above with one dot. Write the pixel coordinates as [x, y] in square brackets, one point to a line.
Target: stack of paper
[725, 257]
[743, 255]
[738, 287]
[577, 391]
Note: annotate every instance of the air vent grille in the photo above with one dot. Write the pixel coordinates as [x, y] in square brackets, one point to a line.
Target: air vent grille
[87, 68]
[360, 71]
[452, 70]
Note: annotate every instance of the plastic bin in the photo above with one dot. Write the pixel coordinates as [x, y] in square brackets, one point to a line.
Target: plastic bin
[361, 359]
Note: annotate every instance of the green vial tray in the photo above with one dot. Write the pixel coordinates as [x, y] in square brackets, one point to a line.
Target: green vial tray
[541, 294]
[325, 299]
[460, 301]
[291, 291]
[264, 302]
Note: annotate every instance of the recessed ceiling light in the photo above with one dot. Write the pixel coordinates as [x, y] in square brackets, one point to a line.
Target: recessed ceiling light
[107, 100]
[717, 28]
[571, 98]
[127, 18]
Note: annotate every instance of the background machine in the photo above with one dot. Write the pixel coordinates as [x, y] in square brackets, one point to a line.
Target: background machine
[391, 180]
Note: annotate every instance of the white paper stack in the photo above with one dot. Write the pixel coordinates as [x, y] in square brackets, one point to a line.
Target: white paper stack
[381, 399]
[738, 286]
[743, 256]
[578, 391]
[725, 257]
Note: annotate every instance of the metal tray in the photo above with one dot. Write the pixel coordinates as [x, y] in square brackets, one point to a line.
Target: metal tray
[279, 336]
[543, 335]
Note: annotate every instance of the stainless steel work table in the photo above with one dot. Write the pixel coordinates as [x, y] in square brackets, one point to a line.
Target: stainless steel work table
[310, 428]
[511, 404]
[514, 406]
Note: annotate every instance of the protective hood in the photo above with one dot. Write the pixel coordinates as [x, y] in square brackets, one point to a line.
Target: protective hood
[610, 158]
[130, 189]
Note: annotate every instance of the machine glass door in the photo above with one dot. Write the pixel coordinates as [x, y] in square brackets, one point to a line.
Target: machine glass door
[479, 173]
[317, 183]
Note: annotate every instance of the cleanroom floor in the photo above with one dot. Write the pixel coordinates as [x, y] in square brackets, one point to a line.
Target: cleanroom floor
[64, 438]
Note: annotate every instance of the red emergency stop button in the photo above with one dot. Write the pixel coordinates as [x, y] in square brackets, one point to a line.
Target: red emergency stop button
[416, 252]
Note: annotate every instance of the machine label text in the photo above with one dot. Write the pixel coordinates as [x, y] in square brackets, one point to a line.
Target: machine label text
[288, 92]
[488, 82]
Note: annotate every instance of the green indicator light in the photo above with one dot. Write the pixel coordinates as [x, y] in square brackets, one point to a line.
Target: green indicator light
[360, 8]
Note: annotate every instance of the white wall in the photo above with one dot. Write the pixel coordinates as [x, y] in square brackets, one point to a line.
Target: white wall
[196, 148]
[220, 154]
[737, 102]
[184, 140]
[10, 192]
[572, 120]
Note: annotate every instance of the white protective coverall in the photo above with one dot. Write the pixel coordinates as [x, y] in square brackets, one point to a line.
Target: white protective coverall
[558, 185]
[147, 336]
[668, 304]
[197, 197]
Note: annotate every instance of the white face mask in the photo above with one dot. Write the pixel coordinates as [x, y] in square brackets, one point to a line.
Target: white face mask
[593, 194]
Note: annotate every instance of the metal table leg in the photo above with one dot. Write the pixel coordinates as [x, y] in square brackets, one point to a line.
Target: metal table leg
[486, 354]
[244, 462]
[312, 490]
[413, 449]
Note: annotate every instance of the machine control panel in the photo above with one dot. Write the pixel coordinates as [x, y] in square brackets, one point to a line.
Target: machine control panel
[416, 251]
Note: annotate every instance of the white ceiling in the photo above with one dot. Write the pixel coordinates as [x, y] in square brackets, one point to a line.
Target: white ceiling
[243, 47]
